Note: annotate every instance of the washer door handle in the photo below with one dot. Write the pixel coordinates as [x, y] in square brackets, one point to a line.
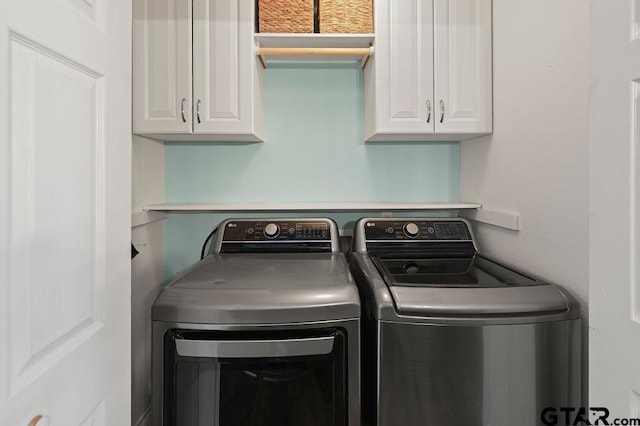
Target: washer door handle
[254, 348]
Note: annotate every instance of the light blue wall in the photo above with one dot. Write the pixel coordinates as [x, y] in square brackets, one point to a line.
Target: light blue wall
[314, 150]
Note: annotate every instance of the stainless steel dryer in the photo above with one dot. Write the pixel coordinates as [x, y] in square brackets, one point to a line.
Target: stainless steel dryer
[453, 338]
[264, 331]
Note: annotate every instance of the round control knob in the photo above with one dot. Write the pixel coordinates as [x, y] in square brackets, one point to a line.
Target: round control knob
[411, 229]
[271, 230]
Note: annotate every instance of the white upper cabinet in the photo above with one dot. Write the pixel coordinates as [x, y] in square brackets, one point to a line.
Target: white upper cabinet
[463, 67]
[205, 87]
[227, 76]
[162, 96]
[430, 77]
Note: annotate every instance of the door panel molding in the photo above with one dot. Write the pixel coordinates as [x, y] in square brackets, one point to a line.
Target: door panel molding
[634, 226]
[97, 416]
[52, 308]
[635, 17]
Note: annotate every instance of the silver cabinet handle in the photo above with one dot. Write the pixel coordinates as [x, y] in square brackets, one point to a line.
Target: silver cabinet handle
[184, 120]
[254, 348]
[198, 111]
[441, 110]
[428, 110]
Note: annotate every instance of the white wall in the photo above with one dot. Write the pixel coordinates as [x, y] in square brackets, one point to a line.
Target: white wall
[147, 269]
[536, 161]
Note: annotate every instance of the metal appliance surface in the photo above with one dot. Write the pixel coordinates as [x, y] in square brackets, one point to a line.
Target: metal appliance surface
[264, 330]
[453, 338]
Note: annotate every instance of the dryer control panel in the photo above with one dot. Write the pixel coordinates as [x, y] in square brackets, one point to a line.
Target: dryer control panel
[276, 230]
[277, 234]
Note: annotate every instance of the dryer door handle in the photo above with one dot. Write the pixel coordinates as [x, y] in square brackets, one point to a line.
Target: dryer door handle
[254, 348]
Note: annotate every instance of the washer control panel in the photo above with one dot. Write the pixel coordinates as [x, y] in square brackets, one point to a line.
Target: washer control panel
[280, 230]
[416, 229]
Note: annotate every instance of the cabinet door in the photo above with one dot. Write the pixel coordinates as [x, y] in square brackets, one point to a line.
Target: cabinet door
[226, 78]
[162, 66]
[462, 64]
[399, 81]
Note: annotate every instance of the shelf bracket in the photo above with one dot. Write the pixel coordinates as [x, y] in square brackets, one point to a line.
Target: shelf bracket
[260, 57]
[365, 60]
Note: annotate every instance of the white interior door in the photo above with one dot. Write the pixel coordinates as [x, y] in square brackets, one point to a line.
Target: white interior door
[614, 290]
[65, 163]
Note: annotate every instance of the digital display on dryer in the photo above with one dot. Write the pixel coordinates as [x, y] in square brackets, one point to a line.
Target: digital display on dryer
[312, 231]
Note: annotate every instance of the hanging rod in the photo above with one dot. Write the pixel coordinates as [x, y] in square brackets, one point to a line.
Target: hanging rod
[364, 52]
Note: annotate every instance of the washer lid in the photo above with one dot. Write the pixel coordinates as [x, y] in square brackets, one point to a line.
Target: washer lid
[255, 288]
[496, 301]
[447, 269]
[434, 284]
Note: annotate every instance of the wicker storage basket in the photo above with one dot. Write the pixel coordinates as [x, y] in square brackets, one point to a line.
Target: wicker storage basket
[285, 16]
[346, 16]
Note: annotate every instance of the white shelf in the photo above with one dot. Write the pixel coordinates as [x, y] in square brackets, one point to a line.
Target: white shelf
[304, 207]
[294, 47]
[472, 211]
[313, 40]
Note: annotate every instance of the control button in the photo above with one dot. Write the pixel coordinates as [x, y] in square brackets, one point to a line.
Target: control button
[390, 230]
[250, 231]
[292, 231]
[431, 230]
[411, 229]
[271, 230]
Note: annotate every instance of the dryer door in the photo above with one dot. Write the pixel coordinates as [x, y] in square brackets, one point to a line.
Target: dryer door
[250, 378]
